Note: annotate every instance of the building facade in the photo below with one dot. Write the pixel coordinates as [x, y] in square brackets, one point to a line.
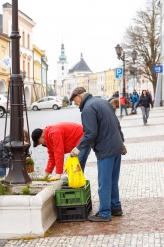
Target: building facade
[110, 82]
[40, 69]
[26, 25]
[4, 71]
[101, 87]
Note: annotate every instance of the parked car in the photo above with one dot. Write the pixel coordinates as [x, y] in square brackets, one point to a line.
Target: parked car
[3, 105]
[49, 102]
[101, 96]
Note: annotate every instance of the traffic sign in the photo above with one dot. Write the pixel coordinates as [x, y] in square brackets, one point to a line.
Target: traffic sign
[158, 69]
[118, 73]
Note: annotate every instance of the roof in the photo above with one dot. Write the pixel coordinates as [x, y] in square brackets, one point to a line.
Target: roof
[80, 66]
[8, 5]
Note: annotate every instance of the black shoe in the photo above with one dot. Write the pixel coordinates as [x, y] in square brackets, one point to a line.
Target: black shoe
[98, 218]
[117, 211]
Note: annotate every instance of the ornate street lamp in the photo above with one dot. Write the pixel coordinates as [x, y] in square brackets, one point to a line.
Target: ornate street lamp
[16, 147]
[121, 55]
[134, 55]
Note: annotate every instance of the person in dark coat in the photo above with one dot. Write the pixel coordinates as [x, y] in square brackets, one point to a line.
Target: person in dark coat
[4, 159]
[103, 132]
[4, 154]
[144, 102]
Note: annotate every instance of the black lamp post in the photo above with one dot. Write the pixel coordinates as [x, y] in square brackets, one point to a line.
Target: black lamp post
[16, 146]
[121, 55]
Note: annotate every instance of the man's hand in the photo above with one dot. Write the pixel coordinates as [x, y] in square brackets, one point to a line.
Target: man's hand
[46, 175]
[54, 178]
[75, 152]
[124, 151]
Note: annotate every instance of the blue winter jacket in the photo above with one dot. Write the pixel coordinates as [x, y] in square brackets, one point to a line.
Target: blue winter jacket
[101, 127]
[134, 98]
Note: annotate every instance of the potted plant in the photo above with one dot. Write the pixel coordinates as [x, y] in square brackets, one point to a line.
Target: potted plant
[29, 165]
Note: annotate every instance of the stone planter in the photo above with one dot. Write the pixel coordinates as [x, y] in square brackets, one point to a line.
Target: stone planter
[28, 215]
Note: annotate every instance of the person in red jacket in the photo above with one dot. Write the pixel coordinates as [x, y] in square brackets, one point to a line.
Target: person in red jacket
[123, 105]
[60, 139]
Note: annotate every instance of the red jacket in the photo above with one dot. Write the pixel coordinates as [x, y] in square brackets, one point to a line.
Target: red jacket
[60, 139]
[123, 101]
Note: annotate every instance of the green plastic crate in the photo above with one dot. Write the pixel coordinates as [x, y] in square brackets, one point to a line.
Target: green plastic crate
[68, 197]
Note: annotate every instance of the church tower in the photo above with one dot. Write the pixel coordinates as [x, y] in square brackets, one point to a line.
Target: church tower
[62, 67]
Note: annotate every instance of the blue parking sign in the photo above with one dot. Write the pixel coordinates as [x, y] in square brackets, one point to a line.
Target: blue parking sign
[158, 69]
[118, 73]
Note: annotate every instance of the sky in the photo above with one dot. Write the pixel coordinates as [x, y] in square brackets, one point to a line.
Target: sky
[91, 27]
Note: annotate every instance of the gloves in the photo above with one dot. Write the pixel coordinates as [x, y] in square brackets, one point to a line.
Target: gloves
[46, 175]
[54, 178]
[124, 151]
[75, 152]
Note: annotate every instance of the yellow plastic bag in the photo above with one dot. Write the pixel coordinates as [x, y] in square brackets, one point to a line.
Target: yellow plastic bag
[76, 177]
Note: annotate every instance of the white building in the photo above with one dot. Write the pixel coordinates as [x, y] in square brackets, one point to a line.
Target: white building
[101, 83]
[62, 69]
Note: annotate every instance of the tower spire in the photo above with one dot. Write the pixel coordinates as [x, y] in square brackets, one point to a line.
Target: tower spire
[62, 57]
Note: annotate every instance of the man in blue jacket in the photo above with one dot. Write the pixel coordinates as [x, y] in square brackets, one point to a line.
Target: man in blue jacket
[102, 130]
[134, 99]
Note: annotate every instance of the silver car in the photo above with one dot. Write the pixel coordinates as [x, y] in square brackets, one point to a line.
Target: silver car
[49, 102]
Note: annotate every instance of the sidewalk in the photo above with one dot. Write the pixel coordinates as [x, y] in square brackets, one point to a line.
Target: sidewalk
[141, 193]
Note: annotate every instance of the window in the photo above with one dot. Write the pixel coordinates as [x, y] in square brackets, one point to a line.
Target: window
[62, 67]
[23, 65]
[23, 40]
[28, 41]
[51, 99]
[28, 72]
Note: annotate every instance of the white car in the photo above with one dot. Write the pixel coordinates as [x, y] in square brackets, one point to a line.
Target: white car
[49, 102]
[3, 105]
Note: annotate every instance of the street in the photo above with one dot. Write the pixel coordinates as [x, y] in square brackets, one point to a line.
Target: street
[40, 119]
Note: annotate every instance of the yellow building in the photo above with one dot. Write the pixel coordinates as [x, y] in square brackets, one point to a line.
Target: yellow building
[4, 72]
[39, 90]
[110, 82]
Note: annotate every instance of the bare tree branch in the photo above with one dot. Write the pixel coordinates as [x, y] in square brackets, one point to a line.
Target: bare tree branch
[144, 36]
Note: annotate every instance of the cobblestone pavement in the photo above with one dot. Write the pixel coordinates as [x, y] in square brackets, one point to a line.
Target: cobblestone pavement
[141, 192]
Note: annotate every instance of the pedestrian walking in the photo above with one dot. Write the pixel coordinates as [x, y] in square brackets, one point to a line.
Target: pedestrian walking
[144, 102]
[134, 99]
[60, 139]
[102, 130]
[123, 105]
